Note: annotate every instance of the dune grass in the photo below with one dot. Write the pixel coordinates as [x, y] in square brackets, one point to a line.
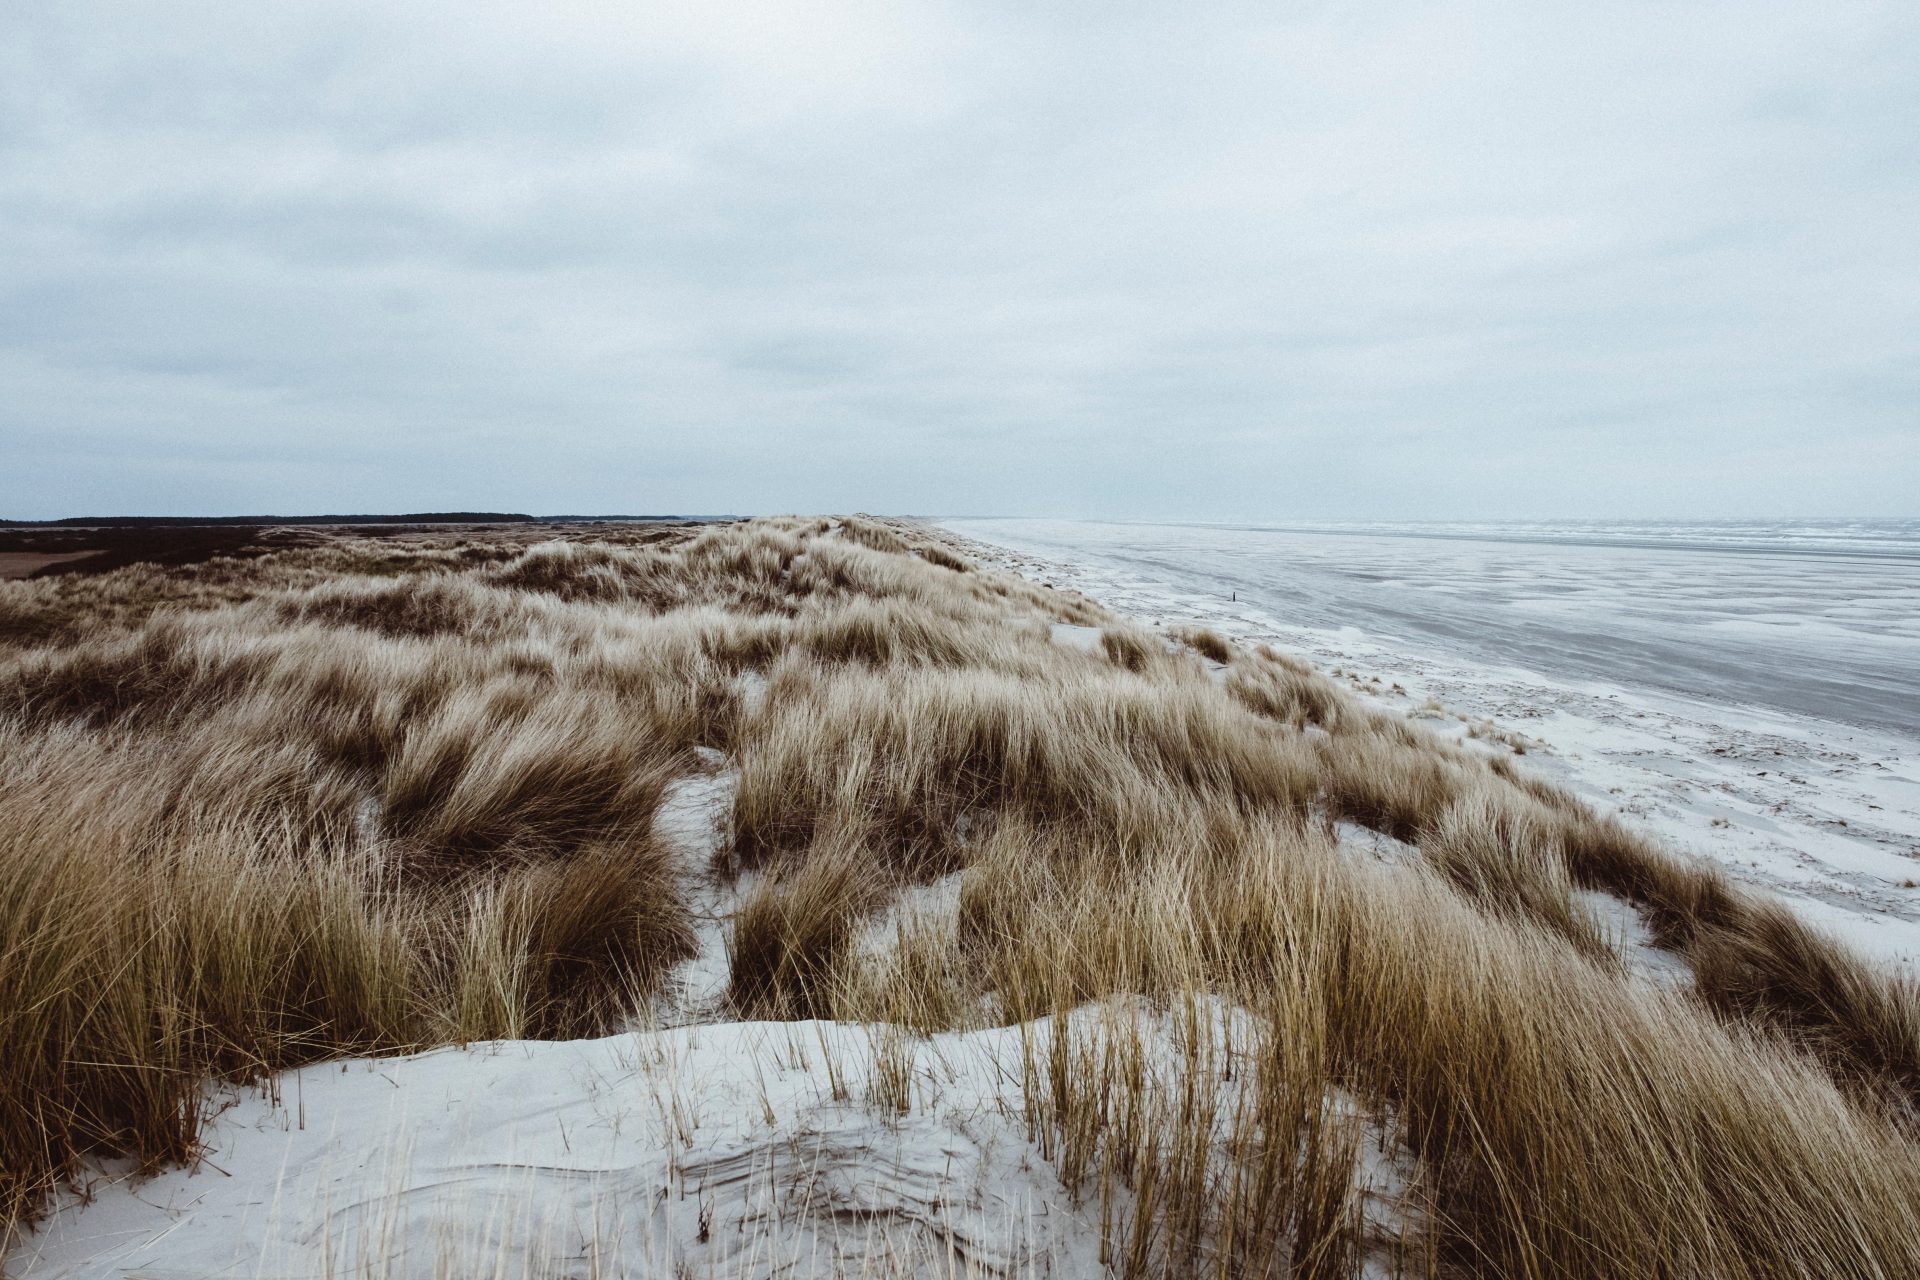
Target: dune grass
[358, 795]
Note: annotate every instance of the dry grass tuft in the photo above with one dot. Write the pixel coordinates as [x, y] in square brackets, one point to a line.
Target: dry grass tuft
[1208, 644]
[1511, 857]
[565, 947]
[1284, 692]
[793, 933]
[1772, 969]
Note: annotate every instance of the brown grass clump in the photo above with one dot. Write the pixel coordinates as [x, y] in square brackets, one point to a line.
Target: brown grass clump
[871, 533]
[357, 794]
[1286, 691]
[1771, 968]
[1753, 959]
[1510, 857]
[1590, 1127]
[907, 757]
[563, 947]
[1564, 1122]
[1132, 648]
[135, 960]
[1208, 644]
[1207, 1139]
[792, 934]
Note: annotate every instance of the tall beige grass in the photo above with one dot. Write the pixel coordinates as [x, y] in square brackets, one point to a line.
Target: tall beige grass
[358, 794]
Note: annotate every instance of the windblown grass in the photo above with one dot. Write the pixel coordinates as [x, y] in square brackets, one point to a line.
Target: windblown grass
[356, 795]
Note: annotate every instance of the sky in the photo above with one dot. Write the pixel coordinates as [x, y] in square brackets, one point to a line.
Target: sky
[1103, 258]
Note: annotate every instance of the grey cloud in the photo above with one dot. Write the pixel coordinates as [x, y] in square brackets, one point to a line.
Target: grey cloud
[1127, 260]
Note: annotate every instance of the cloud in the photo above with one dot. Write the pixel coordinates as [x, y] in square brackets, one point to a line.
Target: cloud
[1446, 259]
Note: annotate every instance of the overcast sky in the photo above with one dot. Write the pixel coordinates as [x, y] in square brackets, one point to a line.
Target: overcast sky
[1157, 260]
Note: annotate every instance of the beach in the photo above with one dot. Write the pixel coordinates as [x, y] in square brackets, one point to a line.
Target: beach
[1750, 692]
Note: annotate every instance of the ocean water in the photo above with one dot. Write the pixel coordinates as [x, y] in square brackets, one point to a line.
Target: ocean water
[1884, 538]
[1817, 618]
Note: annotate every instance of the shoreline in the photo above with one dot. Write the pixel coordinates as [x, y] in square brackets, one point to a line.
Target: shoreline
[1784, 803]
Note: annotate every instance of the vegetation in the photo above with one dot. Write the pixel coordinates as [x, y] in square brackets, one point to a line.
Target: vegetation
[356, 794]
